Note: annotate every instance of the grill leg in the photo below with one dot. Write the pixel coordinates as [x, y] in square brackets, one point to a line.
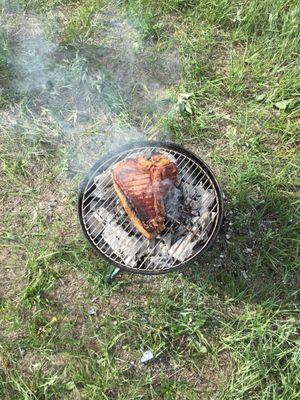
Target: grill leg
[111, 274]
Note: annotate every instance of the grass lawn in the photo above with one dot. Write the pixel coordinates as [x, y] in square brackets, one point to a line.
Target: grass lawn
[77, 78]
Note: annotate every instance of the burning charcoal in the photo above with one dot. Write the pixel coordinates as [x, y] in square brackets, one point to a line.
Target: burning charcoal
[206, 217]
[162, 249]
[178, 233]
[151, 244]
[93, 205]
[184, 247]
[208, 198]
[178, 181]
[213, 216]
[167, 239]
[94, 227]
[196, 220]
[98, 219]
[173, 203]
[196, 196]
[199, 189]
[189, 191]
[125, 246]
[103, 215]
[102, 178]
[188, 174]
[195, 204]
[159, 261]
[198, 228]
[103, 185]
[206, 221]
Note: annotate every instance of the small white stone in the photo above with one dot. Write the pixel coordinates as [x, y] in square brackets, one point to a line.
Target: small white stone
[92, 311]
[244, 273]
[22, 352]
[147, 356]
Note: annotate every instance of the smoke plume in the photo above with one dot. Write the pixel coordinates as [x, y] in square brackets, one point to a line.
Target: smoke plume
[109, 89]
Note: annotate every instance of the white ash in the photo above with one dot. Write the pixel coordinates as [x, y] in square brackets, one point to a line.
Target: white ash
[97, 218]
[173, 203]
[207, 198]
[178, 181]
[204, 219]
[93, 205]
[189, 191]
[103, 185]
[183, 248]
[158, 261]
[127, 247]
[163, 249]
[167, 239]
[103, 215]
[95, 228]
[197, 196]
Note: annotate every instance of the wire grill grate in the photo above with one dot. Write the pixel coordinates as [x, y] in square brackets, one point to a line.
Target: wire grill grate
[97, 196]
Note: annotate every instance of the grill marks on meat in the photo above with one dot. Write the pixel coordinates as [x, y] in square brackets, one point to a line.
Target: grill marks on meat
[142, 185]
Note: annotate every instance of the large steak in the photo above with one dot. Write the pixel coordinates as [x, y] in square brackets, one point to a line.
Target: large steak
[142, 185]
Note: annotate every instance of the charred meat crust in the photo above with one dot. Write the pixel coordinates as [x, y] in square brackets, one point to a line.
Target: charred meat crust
[142, 185]
[144, 228]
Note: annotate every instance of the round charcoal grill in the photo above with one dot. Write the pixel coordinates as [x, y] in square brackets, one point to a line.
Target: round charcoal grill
[194, 210]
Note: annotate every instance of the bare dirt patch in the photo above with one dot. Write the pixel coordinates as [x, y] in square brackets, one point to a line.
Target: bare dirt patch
[12, 271]
[68, 291]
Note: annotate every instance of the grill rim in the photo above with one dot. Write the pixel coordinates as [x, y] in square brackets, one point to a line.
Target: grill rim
[162, 144]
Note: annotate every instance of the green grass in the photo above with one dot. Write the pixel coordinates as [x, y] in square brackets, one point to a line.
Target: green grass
[221, 78]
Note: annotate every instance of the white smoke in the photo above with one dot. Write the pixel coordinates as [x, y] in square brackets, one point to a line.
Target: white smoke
[107, 93]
